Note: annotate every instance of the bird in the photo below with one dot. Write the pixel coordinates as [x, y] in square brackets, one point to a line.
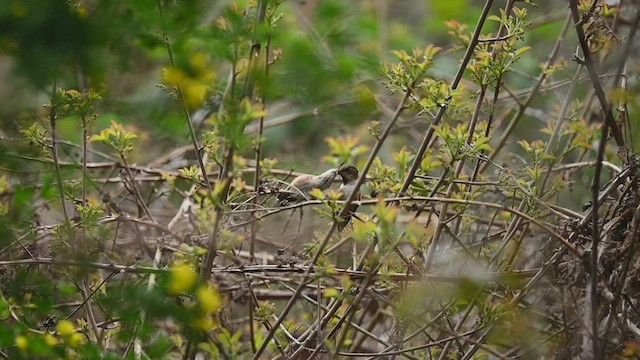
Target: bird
[349, 174]
[303, 184]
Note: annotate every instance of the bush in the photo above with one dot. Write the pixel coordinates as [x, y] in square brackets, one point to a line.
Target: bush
[158, 205]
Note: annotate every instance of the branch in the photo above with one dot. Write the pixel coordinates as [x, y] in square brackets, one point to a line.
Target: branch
[342, 213]
[608, 122]
[53, 117]
[588, 62]
[454, 85]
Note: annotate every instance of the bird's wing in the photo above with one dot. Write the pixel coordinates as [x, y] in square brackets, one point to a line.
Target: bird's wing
[297, 190]
[347, 189]
[288, 197]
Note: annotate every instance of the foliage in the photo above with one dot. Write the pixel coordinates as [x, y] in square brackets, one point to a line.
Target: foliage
[157, 206]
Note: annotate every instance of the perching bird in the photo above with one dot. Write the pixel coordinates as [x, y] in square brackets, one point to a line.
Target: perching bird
[349, 174]
[303, 184]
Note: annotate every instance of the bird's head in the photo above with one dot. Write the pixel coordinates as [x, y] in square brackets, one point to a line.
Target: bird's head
[348, 173]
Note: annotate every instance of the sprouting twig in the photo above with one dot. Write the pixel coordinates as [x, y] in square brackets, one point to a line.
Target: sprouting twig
[454, 85]
[256, 177]
[53, 119]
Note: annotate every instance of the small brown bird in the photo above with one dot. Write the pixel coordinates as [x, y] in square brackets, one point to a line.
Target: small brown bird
[349, 174]
[303, 184]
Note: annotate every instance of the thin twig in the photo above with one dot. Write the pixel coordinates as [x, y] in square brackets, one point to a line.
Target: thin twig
[53, 118]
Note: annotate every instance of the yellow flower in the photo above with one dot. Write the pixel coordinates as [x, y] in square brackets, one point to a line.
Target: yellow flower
[208, 299]
[194, 93]
[50, 339]
[204, 323]
[193, 81]
[173, 76]
[21, 342]
[194, 90]
[65, 327]
[181, 279]
[82, 12]
[76, 339]
[199, 62]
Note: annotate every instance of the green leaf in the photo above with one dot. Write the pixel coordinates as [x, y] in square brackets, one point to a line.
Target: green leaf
[4, 308]
[331, 293]
[363, 230]
[317, 194]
